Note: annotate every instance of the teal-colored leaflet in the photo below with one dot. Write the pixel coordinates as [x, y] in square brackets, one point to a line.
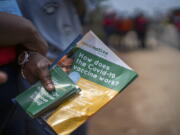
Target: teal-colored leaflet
[37, 100]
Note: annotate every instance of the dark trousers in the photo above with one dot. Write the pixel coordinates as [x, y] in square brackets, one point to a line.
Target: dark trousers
[13, 120]
[8, 91]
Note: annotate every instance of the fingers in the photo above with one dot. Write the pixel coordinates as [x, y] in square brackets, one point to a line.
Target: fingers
[37, 69]
[44, 75]
[26, 74]
[3, 77]
[46, 80]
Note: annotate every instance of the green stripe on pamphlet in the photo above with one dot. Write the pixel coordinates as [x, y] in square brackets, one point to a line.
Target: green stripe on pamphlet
[101, 71]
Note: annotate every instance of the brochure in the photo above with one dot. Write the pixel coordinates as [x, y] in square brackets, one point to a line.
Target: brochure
[37, 100]
[100, 74]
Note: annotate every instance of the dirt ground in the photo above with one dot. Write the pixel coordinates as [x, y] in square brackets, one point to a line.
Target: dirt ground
[151, 104]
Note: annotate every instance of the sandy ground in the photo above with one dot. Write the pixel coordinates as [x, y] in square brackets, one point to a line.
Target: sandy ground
[151, 104]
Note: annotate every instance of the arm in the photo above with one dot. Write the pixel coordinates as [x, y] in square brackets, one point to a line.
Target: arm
[18, 31]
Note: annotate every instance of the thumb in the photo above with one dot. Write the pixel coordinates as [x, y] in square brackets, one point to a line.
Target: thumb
[46, 79]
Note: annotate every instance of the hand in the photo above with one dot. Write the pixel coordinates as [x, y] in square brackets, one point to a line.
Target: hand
[3, 77]
[16, 30]
[37, 69]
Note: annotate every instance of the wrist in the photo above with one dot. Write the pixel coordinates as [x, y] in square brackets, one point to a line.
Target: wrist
[24, 58]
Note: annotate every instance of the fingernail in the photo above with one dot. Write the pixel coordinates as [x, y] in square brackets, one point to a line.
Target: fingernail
[50, 87]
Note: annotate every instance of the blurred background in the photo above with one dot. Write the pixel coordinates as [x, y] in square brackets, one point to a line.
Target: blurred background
[146, 35]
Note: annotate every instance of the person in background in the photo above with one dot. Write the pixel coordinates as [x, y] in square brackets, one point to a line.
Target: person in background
[175, 20]
[126, 25]
[109, 25]
[56, 20]
[141, 27]
[119, 20]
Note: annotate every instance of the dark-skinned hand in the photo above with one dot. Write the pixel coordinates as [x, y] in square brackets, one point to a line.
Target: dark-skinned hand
[37, 69]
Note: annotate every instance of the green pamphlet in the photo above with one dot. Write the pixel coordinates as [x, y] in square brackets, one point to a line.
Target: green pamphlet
[36, 100]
